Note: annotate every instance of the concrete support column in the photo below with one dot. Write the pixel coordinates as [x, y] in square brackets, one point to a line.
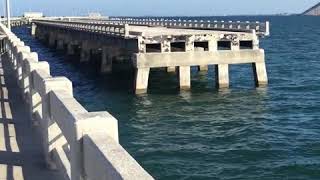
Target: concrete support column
[260, 74]
[185, 71]
[166, 47]
[85, 52]
[33, 29]
[1, 46]
[60, 44]
[106, 61]
[222, 75]
[52, 40]
[185, 77]
[41, 36]
[141, 82]
[70, 49]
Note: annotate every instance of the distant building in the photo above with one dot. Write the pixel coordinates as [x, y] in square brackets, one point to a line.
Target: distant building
[33, 14]
[95, 15]
[313, 11]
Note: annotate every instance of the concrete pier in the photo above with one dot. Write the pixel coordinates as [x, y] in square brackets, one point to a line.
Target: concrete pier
[179, 47]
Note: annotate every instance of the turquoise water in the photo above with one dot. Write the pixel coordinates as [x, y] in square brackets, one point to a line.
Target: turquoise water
[241, 133]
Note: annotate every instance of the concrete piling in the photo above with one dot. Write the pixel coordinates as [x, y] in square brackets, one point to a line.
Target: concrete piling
[260, 74]
[222, 75]
[106, 61]
[184, 77]
[33, 29]
[85, 52]
[60, 44]
[142, 78]
[70, 49]
[52, 40]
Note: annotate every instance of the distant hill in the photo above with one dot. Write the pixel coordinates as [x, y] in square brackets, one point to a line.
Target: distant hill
[313, 11]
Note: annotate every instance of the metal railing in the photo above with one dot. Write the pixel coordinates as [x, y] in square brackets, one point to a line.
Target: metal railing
[116, 29]
[16, 21]
[261, 28]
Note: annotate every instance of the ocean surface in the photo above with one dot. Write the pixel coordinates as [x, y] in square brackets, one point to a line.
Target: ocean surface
[241, 133]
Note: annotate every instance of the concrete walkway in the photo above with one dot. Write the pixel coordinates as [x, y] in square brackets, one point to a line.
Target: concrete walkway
[21, 155]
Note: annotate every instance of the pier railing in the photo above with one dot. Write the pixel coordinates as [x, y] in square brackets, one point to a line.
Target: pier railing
[16, 21]
[116, 24]
[109, 28]
[84, 145]
[261, 28]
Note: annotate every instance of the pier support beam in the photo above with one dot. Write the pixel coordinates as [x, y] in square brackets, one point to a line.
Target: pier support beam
[106, 61]
[260, 74]
[201, 67]
[185, 77]
[165, 48]
[222, 75]
[60, 45]
[70, 49]
[52, 40]
[85, 52]
[40, 36]
[141, 82]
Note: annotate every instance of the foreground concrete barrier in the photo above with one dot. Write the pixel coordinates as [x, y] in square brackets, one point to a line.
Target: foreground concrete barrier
[84, 145]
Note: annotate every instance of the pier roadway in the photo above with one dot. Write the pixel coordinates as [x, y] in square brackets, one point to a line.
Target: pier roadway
[176, 46]
[21, 153]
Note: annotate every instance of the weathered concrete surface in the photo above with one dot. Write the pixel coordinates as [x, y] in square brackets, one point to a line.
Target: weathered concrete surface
[313, 11]
[21, 155]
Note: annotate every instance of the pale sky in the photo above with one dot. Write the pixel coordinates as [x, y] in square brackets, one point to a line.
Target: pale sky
[160, 7]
